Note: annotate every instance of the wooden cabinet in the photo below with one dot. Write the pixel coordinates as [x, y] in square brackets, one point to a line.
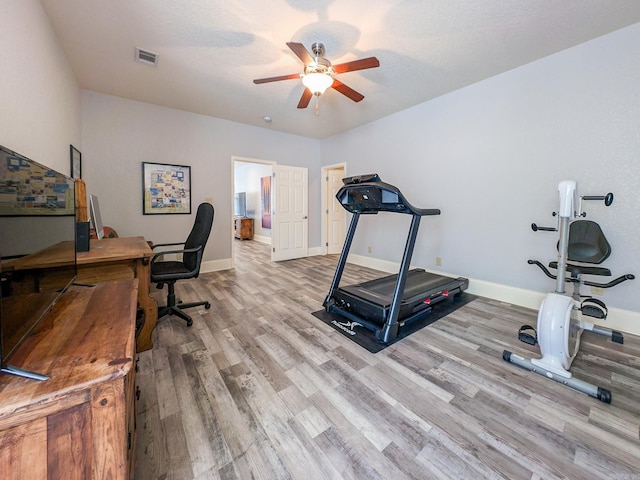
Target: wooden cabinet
[243, 228]
[79, 424]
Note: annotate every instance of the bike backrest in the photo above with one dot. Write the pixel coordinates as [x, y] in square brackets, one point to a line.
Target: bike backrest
[587, 242]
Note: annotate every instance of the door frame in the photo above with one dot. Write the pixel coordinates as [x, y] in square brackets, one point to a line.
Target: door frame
[238, 159]
[324, 202]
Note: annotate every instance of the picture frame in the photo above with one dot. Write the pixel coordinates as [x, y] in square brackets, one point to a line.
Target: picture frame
[29, 188]
[166, 189]
[76, 162]
[265, 201]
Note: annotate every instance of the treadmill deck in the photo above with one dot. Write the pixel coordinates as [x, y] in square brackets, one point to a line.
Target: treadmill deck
[372, 300]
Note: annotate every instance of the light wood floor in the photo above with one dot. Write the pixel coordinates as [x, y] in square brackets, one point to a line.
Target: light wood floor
[258, 388]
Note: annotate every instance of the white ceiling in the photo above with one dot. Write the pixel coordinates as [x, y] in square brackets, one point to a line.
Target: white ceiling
[211, 50]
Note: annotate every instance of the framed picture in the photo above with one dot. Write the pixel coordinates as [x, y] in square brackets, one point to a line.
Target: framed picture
[28, 188]
[265, 201]
[76, 162]
[165, 188]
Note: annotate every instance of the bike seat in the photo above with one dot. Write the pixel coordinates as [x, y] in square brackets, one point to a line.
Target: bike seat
[576, 270]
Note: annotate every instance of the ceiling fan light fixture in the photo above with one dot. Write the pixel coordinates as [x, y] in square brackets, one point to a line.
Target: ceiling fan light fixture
[317, 83]
[319, 74]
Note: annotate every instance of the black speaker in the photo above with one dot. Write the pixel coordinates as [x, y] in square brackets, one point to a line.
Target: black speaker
[82, 236]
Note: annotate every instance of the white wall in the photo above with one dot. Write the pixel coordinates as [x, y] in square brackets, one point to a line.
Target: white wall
[490, 157]
[39, 95]
[119, 134]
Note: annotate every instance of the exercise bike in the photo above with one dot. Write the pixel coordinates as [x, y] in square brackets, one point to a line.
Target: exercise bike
[562, 319]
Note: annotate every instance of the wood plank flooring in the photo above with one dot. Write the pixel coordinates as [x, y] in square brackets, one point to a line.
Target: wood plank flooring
[258, 388]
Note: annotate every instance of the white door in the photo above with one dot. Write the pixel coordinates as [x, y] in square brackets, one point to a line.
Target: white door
[290, 213]
[336, 215]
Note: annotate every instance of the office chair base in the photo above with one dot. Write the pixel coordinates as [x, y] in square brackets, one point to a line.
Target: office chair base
[177, 310]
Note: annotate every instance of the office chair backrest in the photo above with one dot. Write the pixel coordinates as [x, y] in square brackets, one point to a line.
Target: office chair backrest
[199, 235]
[587, 242]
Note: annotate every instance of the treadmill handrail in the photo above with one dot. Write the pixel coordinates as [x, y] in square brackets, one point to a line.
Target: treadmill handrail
[370, 197]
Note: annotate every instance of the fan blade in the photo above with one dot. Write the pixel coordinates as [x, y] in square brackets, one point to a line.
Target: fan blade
[347, 91]
[370, 62]
[302, 53]
[277, 79]
[305, 99]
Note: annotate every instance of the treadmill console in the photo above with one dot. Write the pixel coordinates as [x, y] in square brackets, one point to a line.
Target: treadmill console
[363, 199]
[369, 194]
[369, 177]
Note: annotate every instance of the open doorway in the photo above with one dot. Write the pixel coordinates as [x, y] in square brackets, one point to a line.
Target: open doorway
[275, 202]
[334, 216]
[250, 215]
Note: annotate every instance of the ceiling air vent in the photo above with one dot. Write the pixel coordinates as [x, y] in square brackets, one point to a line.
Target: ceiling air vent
[145, 56]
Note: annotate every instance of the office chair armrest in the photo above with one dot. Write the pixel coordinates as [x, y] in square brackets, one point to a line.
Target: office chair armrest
[166, 245]
[165, 252]
[197, 250]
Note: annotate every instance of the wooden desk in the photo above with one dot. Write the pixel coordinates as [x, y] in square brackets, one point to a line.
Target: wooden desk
[107, 259]
[81, 422]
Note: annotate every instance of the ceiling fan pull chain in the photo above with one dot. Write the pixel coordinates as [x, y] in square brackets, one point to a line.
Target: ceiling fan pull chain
[317, 107]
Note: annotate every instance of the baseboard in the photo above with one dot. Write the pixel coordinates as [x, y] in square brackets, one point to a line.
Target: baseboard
[617, 319]
[375, 263]
[313, 251]
[505, 293]
[215, 265]
[262, 239]
[623, 320]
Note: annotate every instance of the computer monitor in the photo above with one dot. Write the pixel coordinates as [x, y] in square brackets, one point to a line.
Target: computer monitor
[37, 213]
[96, 219]
[240, 205]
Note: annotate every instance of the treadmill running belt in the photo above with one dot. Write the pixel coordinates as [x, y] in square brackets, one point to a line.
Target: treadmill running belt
[372, 301]
[419, 284]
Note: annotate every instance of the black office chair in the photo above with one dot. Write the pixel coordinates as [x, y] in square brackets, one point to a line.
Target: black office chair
[171, 271]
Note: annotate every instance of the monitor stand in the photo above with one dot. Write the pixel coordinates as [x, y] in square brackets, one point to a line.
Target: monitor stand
[23, 373]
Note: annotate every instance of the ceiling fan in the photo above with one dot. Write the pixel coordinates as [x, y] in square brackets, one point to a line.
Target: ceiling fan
[319, 73]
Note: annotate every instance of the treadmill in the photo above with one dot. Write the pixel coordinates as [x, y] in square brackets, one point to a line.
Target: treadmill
[386, 304]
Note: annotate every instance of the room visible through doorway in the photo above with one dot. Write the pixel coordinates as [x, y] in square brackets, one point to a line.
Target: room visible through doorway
[248, 199]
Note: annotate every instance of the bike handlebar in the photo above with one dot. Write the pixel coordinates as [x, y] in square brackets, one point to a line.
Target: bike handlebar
[535, 228]
[608, 198]
[612, 283]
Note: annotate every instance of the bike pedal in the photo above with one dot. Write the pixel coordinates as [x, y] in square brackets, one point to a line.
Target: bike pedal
[528, 338]
[593, 312]
[594, 308]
